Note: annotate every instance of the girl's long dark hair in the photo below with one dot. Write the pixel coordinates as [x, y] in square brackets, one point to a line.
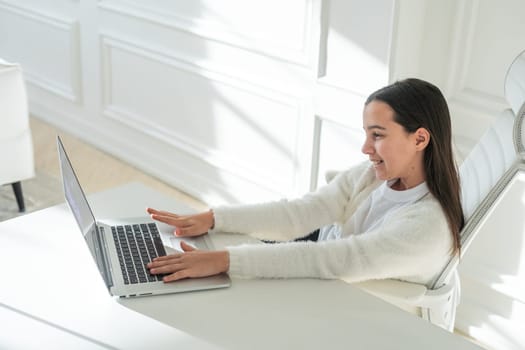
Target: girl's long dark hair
[419, 104]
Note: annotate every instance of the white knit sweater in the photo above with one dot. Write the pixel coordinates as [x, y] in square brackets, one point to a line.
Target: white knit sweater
[413, 244]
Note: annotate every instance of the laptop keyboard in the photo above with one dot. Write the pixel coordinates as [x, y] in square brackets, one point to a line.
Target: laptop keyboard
[137, 245]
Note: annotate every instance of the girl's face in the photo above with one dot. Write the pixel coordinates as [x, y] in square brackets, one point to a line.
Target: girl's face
[395, 153]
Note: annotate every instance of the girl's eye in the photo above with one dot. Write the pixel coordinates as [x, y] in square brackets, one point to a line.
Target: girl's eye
[375, 135]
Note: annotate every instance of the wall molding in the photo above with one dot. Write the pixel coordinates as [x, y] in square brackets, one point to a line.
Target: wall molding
[465, 25]
[73, 91]
[303, 55]
[316, 153]
[180, 141]
[331, 83]
[323, 123]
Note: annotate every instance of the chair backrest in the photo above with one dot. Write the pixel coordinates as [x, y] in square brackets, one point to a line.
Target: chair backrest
[490, 165]
[515, 83]
[515, 94]
[490, 158]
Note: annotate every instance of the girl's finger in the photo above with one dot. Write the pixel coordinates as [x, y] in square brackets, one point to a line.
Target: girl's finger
[186, 231]
[169, 220]
[167, 257]
[186, 247]
[182, 274]
[166, 269]
[161, 212]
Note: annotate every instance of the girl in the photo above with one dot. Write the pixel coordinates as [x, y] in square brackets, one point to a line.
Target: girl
[397, 216]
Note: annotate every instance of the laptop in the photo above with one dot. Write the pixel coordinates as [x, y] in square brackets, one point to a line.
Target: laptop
[121, 248]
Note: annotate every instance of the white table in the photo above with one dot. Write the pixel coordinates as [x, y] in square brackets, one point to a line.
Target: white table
[51, 276]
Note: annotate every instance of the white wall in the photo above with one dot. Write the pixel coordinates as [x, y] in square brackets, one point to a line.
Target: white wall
[236, 101]
[229, 101]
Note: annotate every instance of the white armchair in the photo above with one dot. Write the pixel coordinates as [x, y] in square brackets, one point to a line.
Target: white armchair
[16, 148]
[484, 174]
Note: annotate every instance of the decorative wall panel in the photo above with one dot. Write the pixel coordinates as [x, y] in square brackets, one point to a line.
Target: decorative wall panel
[232, 124]
[280, 29]
[338, 148]
[480, 57]
[51, 58]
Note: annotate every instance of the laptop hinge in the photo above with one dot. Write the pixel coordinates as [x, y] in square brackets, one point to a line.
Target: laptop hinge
[105, 267]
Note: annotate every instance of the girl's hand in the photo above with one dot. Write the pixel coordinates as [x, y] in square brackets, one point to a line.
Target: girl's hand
[192, 263]
[185, 225]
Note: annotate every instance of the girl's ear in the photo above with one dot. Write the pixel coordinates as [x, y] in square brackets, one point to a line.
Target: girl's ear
[422, 138]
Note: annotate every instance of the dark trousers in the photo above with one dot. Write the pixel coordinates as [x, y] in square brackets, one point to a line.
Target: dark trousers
[312, 237]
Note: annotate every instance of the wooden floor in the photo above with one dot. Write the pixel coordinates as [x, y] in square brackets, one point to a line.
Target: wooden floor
[89, 161]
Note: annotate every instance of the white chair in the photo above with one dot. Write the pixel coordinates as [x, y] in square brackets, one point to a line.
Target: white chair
[16, 148]
[484, 173]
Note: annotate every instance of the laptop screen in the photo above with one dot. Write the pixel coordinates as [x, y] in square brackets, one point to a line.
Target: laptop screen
[78, 204]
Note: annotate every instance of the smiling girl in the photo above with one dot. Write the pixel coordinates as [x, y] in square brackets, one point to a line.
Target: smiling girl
[396, 216]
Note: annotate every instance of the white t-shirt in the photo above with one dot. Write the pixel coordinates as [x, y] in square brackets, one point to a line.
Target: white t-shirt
[382, 202]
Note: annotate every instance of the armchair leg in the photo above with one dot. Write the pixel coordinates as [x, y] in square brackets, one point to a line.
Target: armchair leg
[17, 188]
